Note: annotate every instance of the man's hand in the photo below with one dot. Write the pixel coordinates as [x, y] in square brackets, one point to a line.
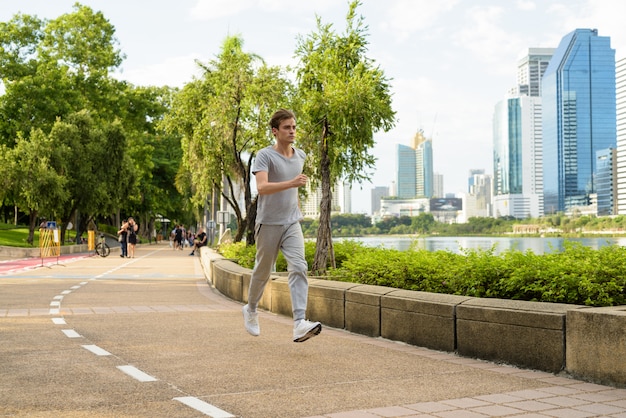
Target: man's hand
[300, 180]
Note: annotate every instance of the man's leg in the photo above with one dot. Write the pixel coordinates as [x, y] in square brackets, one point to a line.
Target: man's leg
[267, 245]
[292, 247]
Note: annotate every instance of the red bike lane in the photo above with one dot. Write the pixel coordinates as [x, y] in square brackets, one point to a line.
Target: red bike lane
[19, 265]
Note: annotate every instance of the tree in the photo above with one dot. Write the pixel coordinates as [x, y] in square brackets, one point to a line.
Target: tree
[343, 99]
[222, 119]
[100, 171]
[423, 223]
[53, 68]
[37, 174]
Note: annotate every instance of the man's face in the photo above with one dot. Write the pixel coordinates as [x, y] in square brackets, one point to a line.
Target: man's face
[286, 132]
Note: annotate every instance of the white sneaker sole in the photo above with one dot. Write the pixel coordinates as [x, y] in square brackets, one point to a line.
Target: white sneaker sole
[310, 334]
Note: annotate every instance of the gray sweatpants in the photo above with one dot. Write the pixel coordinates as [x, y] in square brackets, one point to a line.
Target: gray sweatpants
[290, 240]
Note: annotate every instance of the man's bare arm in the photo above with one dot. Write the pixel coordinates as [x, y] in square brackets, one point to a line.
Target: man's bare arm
[266, 187]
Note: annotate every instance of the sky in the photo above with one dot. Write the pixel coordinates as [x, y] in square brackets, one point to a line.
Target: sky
[448, 61]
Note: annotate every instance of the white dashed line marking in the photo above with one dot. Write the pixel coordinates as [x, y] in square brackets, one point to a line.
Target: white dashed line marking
[55, 303]
[58, 297]
[58, 321]
[96, 350]
[205, 408]
[66, 292]
[54, 311]
[70, 333]
[137, 374]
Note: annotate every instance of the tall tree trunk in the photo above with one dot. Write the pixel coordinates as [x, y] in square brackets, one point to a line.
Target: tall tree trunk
[324, 247]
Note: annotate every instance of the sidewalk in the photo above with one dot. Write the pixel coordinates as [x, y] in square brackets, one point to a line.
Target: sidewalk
[158, 313]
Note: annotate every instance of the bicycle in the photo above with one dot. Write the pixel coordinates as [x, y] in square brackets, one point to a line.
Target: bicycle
[102, 248]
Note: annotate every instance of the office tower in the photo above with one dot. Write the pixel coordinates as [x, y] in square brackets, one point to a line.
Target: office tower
[605, 182]
[579, 118]
[377, 194]
[340, 200]
[471, 178]
[620, 90]
[517, 138]
[405, 174]
[517, 161]
[480, 190]
[344, 191]
[530, 70]
[437, 185]
[414, 176]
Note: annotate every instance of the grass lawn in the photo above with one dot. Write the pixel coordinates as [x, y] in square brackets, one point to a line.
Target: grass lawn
[15, 236]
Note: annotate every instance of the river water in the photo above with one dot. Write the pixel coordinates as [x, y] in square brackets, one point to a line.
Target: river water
[500, 244]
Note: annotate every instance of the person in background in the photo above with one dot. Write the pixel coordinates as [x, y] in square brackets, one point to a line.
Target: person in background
[178, 237]
[122, 235]
[278, 173]
[132, 236]
[199, 241]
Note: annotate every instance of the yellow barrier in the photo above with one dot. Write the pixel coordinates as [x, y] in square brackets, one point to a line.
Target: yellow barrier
[91, 240]
[49, 243]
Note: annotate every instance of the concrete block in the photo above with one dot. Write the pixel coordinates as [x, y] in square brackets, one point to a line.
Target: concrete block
[420, 318]
[228, 278]
[596, 344]
[363, 309]
[207, 257]
[327, 300]
[522, 333]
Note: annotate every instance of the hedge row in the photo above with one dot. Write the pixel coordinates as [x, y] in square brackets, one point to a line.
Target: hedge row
[577, 275]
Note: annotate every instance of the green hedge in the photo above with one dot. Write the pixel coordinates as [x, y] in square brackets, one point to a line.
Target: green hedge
[577, 275]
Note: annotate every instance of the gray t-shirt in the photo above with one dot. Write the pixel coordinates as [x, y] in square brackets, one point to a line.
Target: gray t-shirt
[279, 208]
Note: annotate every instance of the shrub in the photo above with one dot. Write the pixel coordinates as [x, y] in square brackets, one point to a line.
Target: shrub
[577, 275]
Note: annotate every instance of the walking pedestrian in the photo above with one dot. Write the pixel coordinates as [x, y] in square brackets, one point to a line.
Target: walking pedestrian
[278, 173]
[122, 235]
[132, 236]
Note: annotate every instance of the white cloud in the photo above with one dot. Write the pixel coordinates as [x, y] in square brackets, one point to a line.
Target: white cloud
[526, 5]
[173, 72]
[215, 9]
[406, 17]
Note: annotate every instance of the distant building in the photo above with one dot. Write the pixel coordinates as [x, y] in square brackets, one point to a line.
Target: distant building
[414, 165]
[404, 207]
[606, 182]
[517, 139]
[377, 194]
[478, 200]
[579, 118]
[517, 158]
[438, 185]
[340, 200]
[620, 95]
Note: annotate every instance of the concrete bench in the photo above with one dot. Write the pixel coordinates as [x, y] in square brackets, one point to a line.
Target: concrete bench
[420, 318]
[527, 334]
[596, 344]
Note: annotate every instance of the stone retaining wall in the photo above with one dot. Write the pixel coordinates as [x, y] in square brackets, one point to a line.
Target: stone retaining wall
[588, 343]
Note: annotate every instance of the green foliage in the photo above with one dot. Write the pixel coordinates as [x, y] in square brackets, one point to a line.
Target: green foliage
[577, 275]
[222, 120]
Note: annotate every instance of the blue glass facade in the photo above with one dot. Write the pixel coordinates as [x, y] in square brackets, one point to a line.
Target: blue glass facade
[407, 172]
[605, 181]
[578, 117]
[507, 151]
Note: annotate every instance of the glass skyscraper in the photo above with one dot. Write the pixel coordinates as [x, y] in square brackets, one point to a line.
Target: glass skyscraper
[578, 96]
[517, 141]
[414, 176]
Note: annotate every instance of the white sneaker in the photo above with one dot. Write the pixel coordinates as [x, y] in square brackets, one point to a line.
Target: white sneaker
[305, 330]
[251, 321]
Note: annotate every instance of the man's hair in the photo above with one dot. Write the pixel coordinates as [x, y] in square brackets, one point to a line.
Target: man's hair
[279, 116]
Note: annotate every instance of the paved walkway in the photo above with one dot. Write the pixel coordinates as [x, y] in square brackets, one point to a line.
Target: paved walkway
[114, 337]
